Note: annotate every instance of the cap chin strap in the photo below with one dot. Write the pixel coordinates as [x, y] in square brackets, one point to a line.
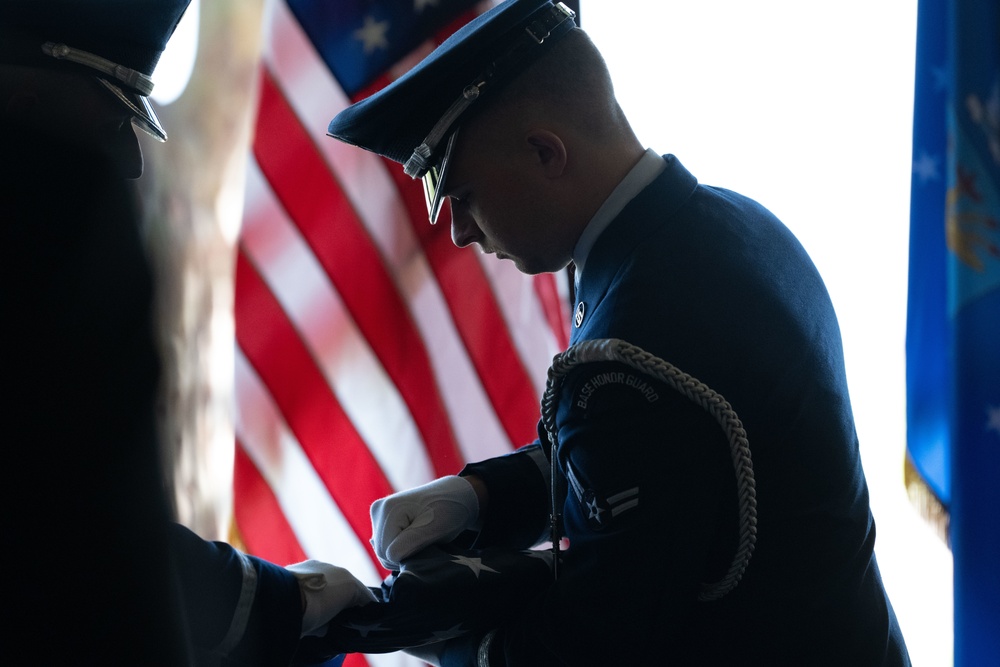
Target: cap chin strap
[552, 21]
[420, 161]
[130, 77]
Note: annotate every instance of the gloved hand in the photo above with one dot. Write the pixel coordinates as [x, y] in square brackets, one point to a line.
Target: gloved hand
[437, 512]
[326, 590]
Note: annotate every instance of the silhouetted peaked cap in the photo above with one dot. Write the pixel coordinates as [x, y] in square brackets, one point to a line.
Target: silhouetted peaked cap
[487, 51]
[119, 41]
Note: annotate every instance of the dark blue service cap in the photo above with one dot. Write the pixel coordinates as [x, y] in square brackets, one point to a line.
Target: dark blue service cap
[119, 41]
[412, 119]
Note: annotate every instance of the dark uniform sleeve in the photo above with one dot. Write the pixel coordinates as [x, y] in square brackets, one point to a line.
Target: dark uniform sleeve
[239, 610]
[517, 514]
[650, 514]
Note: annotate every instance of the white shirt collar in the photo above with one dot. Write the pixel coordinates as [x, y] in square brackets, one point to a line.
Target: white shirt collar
[642, 174]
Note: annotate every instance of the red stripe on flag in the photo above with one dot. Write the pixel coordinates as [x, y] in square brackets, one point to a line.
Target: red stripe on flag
[355, 660]
[476, 315]
[472, 304]
[553, 307]
[310, 193]
[313, 414]
[264, 529]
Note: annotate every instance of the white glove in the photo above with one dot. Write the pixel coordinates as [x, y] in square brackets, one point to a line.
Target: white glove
[327, 591]
[437, 512]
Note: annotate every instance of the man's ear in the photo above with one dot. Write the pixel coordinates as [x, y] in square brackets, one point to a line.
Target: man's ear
[549, 152]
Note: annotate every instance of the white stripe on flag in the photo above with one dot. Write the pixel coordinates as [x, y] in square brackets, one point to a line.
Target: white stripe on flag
[522, 311]
[350, 368]
[320, 528]
[274, 245]
[315, 97]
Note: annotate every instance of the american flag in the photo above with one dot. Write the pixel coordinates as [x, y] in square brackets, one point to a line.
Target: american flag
[441, 593]
[371, 354]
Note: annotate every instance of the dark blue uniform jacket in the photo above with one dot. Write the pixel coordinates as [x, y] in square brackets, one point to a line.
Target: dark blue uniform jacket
[713, 283]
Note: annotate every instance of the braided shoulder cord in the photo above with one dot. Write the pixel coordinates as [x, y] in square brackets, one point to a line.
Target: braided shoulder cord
[611, 349]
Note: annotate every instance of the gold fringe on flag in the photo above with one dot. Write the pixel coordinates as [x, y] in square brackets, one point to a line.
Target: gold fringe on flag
[235, 536]
[923, 498]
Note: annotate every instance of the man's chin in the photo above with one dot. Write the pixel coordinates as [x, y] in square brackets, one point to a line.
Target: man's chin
[520, 264]
[516, 262]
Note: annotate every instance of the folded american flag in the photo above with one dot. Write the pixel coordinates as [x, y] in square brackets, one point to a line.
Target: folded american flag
[440, 593]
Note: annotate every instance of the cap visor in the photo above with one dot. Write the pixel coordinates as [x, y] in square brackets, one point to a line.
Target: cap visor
[434, 181]
[143, 116]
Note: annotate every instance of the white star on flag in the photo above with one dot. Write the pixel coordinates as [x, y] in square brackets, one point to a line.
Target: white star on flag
[941, 78]
[993, 418]
[364, 630]
[474, 564]
[373, 34]
[541, 554]
[421, 5]
[925, 167]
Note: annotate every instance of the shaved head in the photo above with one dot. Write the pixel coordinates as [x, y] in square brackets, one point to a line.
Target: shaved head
[535, 162]
[569, 86]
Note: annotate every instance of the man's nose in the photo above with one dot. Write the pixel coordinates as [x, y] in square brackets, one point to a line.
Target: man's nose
[464, 231]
